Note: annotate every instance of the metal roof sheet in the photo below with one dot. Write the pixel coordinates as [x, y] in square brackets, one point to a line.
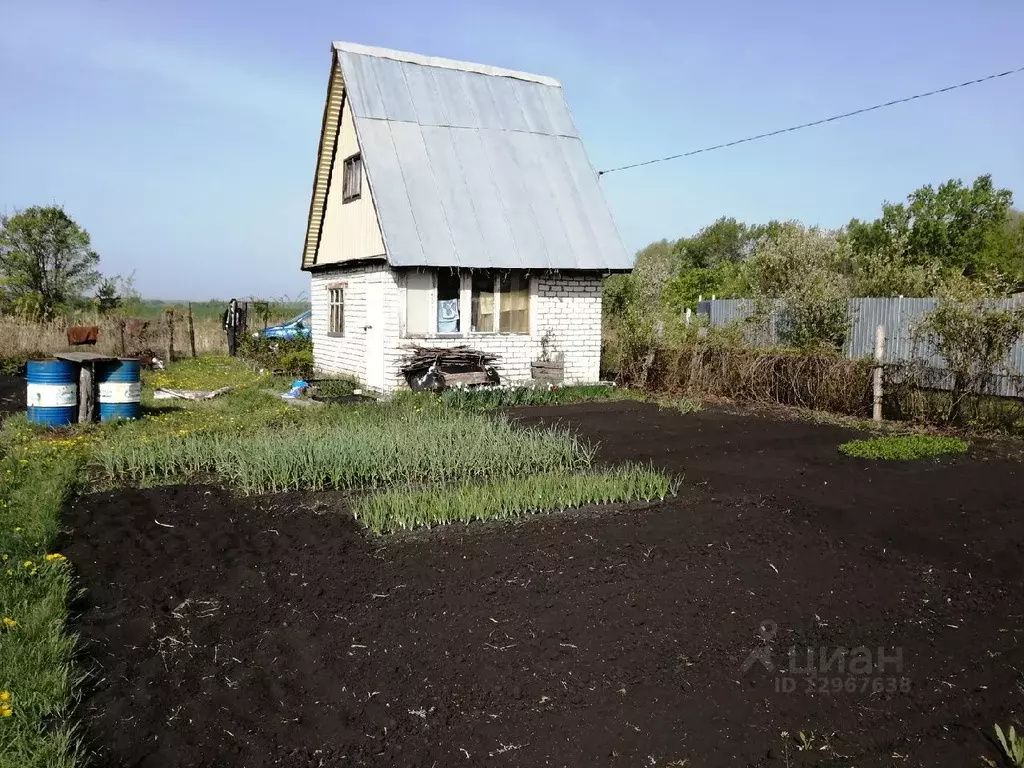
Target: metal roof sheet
[475, 166]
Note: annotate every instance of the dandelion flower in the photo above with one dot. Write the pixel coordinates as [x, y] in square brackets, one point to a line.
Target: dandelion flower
[55, 556]
[6, 710]
[27, 564]
[9, 623]
[5, 697]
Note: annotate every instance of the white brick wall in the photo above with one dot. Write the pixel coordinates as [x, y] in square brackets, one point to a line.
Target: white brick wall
[566, 306]
[347, 354]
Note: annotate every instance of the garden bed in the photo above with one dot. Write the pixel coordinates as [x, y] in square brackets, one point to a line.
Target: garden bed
[273, 630]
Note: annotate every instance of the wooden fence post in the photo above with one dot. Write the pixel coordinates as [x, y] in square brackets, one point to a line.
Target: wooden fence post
[121, 322]
[169, 316]
[879, 354]
[86, 392]
[191, 330]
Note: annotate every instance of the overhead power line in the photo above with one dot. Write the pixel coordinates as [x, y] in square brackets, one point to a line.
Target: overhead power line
[832, 119]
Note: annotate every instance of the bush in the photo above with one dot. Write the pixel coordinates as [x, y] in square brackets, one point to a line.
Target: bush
[15, 365]
[824, 382]
[903, 447]
[974, 340]
[288, 357]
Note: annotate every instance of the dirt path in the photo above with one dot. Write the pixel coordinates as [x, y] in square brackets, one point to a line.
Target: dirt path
[608, 639]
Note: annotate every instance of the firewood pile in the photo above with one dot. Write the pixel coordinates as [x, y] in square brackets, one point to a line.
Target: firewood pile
[434, 368]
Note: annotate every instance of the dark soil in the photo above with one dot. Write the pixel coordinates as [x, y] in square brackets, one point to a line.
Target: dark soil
[272, 631]
[12, 395]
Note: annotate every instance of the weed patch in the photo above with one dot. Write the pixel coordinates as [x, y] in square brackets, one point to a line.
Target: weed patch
[903, 447]
[36, 678]
[486, 398]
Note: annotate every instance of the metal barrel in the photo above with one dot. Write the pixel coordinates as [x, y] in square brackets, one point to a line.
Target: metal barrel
[120, 389]
[52, 392]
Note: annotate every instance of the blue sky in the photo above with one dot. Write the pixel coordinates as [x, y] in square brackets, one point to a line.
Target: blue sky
[183, 135]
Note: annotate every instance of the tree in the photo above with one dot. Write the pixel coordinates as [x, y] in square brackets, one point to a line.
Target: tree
[46, 261]
[117, 293]
[974, 339]
[939, 234]
[798, 272]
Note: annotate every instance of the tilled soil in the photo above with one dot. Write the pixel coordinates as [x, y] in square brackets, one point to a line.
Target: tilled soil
[248, 632]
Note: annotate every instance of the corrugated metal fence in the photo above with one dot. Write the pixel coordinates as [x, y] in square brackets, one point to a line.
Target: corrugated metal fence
[899, 316]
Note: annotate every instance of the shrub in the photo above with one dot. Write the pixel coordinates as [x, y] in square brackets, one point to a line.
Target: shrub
[289, 357]
[903, 447]
[974, 340]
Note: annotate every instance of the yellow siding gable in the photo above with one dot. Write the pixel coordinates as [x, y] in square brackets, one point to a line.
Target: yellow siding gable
[350, 230]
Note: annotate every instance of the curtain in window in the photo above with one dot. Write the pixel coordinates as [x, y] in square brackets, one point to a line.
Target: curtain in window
[482, 305]
[448, 289]
[515, 304]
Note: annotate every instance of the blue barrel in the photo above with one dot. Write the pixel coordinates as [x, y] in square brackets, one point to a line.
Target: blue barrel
[52, 392]
[120, 389]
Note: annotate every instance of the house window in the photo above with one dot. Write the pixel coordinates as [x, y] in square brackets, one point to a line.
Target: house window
[449, 295]
[336, 311]
[514, 296]
[352, 179]
[440, 301]
[482, 302]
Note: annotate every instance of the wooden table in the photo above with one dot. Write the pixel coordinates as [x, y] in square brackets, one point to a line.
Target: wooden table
[86, 381]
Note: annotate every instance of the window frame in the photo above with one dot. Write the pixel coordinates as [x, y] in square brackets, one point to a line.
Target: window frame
[336, 301]
[352, 176]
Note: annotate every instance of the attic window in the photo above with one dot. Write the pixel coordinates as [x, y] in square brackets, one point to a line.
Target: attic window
[352, 179]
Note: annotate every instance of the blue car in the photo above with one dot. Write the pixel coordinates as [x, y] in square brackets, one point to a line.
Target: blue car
[296, 328]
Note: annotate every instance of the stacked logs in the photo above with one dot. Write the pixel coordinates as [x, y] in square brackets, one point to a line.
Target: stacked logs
[434, 368]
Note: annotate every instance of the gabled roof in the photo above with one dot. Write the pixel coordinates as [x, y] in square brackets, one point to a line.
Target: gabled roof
[472, 166]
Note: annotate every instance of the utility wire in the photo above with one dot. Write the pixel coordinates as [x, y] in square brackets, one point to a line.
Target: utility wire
[815, 122]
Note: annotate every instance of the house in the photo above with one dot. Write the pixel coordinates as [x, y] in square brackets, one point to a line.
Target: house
[453, 204]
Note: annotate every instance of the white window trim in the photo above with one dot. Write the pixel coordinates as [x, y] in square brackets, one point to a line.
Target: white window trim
[331, 287]
[466, 306]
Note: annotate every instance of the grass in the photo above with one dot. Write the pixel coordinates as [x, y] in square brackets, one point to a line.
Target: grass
[681, 404]
[362, 446]
[403, 509]
[488, 398]
[203, 373]
[903, 447]
[1012, 744]
[37, 681]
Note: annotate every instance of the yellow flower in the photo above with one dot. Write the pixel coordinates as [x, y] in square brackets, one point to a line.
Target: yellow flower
[6, 710]
[27, 564]
[17, 530]
[55, 556]
[5, 697]
[9, 622]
